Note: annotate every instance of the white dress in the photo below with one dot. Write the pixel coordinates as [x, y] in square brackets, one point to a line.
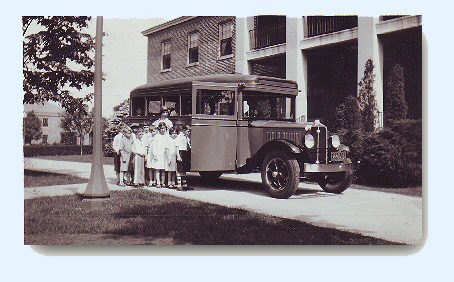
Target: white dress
[149, 145]
[159, 149]
[171, 156]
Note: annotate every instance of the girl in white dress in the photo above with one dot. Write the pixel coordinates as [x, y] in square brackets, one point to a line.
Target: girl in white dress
[139, 159]
[171, 157]
[159, 149]
[149, 158]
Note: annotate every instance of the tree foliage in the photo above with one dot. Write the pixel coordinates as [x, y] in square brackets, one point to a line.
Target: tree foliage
[32, 127]
[78, 120]
[56, 58]
[348, 125]
[367, 101]
[120, 116]
[395, 105]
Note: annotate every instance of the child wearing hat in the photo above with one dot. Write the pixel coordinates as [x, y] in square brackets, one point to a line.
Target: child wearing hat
[126, 144]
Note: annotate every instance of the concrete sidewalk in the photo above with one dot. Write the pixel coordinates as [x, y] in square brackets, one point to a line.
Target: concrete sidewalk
[388, 216]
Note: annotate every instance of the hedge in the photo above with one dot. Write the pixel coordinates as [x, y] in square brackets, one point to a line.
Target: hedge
[393, 156]
[56, 150]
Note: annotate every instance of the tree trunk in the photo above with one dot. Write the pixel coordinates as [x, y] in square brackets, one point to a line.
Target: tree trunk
[81, 145]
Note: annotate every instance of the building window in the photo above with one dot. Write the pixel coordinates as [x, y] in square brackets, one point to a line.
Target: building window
[44, 139]
[45, 122]
[193, 47]
[225, 38]
[166, 55]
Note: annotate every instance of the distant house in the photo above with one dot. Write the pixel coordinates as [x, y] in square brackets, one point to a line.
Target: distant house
[50, 115]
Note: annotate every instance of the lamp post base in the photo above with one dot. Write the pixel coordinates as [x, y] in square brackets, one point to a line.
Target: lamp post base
[96, 203]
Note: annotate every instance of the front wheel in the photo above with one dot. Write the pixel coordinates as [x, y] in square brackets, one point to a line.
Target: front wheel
[280, 174]
[336, 182]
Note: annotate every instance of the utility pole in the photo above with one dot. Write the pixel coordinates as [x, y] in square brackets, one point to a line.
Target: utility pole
[97, 195]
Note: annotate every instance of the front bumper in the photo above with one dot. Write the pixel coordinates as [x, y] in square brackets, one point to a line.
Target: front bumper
[324, 168]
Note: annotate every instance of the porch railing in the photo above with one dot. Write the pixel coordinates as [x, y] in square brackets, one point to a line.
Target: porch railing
[264, 37]
[317, 25]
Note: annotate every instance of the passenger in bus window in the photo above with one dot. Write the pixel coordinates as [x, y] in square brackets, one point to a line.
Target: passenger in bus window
[173, 112]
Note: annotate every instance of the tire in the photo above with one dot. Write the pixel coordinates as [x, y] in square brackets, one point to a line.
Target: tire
[280, 174]
[210, 175]
[335, 182]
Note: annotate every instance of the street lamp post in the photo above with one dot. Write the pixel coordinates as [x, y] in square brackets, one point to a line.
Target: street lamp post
[97, 195]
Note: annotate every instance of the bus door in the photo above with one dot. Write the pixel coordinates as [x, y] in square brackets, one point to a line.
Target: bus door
[214, 127]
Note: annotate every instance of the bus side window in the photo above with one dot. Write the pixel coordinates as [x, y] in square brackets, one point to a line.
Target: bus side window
[215, 102]
[154, 105]
[186, 104]
[172, 102]
[138, 106]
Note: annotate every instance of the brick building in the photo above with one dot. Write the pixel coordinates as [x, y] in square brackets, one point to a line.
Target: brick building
[168, 47]
[326, 55]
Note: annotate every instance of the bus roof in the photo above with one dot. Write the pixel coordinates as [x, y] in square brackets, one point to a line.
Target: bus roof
[218, 78]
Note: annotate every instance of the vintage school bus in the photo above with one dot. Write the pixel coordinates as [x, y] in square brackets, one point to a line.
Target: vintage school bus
[246, 123]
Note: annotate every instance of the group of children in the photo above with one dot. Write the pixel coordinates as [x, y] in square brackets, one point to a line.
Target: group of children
[156, 155]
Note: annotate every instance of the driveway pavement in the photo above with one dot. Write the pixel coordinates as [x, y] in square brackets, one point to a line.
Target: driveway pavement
[383, 215]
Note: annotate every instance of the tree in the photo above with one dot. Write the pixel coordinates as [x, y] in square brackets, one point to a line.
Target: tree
[32, 128]
[120, 116]
[348, 125]
[367, 101]
[395, 105]
[78, 120]
[49, 55]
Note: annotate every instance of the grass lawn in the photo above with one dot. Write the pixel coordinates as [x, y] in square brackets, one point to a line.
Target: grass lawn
[144, 217]
[34, 178]
[77, 158]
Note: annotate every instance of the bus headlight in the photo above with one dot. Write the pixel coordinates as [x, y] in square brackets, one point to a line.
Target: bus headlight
[309, 141]
[335, 141]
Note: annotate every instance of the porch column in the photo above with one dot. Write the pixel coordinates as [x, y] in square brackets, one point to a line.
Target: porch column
[296, 64]
[369, 47]
[242, 46]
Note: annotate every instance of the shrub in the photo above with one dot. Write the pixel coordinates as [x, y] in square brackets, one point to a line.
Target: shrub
[395, 105]
[56, 150]
[348, 125]
[393, 156]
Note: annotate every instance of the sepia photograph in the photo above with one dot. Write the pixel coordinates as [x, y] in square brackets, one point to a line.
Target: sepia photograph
[223, 130]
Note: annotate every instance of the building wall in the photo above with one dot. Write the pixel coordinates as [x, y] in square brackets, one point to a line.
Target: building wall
[209, 60]
[52, 112]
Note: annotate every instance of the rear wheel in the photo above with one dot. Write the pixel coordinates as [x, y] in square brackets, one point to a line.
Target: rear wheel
[210, 175]
[280, 174]
[336, 182]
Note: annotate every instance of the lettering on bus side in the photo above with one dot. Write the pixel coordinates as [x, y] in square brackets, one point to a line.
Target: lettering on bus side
[294, 136]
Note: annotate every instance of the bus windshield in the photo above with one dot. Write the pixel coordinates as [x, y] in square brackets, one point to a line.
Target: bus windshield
[259, 105]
